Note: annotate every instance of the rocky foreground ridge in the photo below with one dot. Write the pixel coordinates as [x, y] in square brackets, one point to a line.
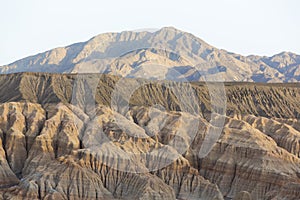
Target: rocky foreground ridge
[52, 148]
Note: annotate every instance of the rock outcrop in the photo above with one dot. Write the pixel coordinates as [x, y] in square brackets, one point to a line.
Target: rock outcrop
[55, 148]
[57, 157]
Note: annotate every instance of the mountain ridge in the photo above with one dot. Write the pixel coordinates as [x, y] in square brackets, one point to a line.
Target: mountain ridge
[242, 97]
[105, 53]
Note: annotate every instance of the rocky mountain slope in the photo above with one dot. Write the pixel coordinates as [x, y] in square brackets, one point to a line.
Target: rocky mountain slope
[53, 147]
[165, 54]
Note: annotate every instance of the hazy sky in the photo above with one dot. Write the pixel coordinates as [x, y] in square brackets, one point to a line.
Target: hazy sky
[263, 27]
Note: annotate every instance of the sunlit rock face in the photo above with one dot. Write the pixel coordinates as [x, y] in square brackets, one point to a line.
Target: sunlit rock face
[53, 147]
[167, 53]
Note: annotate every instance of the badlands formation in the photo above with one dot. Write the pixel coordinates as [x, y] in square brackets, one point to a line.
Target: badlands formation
[150, 115]
[56, 145]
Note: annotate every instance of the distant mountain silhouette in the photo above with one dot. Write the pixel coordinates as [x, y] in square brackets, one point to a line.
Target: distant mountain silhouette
[164, 54]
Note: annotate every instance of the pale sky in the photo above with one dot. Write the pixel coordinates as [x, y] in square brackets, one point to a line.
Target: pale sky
[262, 27]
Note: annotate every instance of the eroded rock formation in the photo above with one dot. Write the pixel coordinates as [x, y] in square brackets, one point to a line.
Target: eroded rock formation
[51, 149]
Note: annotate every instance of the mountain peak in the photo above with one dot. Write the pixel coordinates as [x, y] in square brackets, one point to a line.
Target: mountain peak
[170, 28]
[196, 57]
[286, 54]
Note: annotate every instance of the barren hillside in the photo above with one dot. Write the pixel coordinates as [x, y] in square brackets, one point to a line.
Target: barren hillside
[55, 144]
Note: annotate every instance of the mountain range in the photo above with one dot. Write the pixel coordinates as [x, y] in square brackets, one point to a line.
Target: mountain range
[85, 122]
[164, 54]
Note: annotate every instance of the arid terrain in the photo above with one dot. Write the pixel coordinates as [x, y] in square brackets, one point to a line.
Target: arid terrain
[150, 115]
[167, 53]
[60, 144]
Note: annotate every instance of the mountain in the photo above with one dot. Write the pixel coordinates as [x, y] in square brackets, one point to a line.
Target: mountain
[150, 115]
[52, 147]
[165, 54]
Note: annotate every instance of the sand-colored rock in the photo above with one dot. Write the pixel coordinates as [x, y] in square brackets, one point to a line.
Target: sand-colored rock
[242, 196]
[167, 53]
[51, 149]
[245, 159]
[64, 161]
[285, 135]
